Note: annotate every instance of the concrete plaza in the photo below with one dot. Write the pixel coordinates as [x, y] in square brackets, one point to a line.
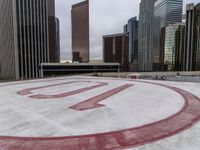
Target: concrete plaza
[89, 113]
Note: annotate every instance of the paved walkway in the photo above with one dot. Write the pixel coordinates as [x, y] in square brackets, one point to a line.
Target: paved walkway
[85, 113]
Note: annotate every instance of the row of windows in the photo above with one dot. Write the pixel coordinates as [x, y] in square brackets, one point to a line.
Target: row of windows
[32, 36]
[79, 67]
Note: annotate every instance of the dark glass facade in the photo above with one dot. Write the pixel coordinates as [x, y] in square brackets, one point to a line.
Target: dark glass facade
[53, 57]
[57, 55]
[133, 39]
[189, 44]
[192, 38]
[80, 32]
[179, 47]
[172, 46]
[132, 29]
[116, 50]
[56, 69]
[197, 38]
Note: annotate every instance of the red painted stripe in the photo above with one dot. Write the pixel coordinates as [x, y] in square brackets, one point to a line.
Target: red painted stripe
[29, 91]
[93, 102]
[182, 120]
[41, 96]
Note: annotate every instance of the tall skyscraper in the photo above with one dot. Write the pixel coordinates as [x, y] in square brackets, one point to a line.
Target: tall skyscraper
[145, 35]
[57, 39]
[24, 43]
[80, 32]
[165, 12]
[197, 37]
[53, 57]
[189, 38]
[116, 49]
[172, 45]
[192, 38]
[132, 29]
[179, 47]
[133, 39]
[125, 28]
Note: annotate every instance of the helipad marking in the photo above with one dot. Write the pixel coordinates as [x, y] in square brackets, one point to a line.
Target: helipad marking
[41, 96]
[93, 102]
[29, 91]
[184, 119]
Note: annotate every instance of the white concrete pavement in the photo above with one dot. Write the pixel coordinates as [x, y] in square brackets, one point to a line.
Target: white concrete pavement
[99, 113]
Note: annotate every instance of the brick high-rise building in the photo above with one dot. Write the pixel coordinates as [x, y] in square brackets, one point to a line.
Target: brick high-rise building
[80, 32]
[53, 51]
[116, 49]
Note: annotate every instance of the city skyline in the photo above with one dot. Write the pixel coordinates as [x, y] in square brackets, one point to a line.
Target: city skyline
[99, 24]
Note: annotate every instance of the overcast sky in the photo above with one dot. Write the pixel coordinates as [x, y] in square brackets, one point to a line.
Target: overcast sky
[106, 17]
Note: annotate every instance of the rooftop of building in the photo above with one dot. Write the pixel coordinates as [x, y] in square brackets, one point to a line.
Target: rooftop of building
[115, 35]
[80, 64]
[158, 2]
[83, 3]
[79, 112]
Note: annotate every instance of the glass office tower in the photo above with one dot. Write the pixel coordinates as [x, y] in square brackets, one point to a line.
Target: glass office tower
[132, 29]
[57, 54]
[165, 12]
[171, 54]
[145, 35]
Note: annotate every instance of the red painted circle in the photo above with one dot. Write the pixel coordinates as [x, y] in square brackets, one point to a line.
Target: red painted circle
[184, 119]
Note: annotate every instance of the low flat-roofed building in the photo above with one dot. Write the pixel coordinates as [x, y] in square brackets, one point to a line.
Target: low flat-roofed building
[54, 69]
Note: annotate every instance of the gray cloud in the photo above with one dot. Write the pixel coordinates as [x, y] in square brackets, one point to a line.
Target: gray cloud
[106, 17]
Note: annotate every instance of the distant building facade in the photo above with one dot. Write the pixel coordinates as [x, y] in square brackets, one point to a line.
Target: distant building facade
[145, 35]
[197, 38]
[125, 28]
[61, 69]
[53, 57]
[172, 46]
[192, 38]
[116, 50]
[24, 43]
[189, 38]
[165, 12]
[179, 47]
[132, 30]
[80, 32]
[57, 54]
